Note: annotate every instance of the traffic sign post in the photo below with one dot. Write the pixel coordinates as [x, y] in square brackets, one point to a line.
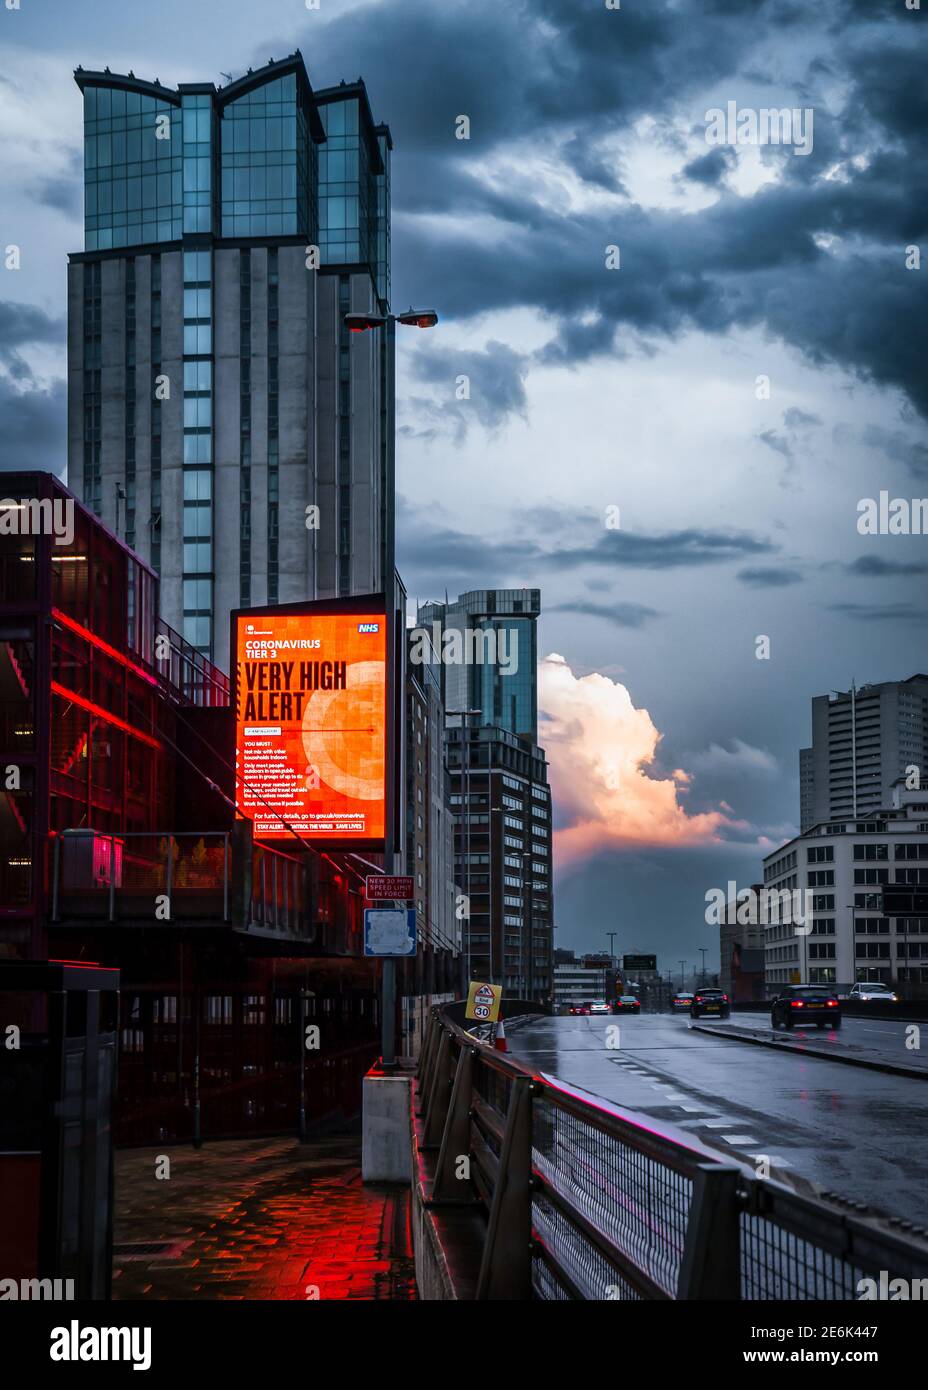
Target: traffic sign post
[483, 1002]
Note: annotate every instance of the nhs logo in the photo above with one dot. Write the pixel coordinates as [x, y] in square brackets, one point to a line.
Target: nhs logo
[368, 627]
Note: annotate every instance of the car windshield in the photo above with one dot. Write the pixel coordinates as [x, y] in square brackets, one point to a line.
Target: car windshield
[629, 999]
[812, 994]
[876, 989]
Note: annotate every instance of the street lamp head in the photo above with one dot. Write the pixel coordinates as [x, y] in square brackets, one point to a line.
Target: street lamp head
[360, 323]
[418, 318]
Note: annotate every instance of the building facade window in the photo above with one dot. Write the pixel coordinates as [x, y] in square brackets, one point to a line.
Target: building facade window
[198, 451]
[92, 364]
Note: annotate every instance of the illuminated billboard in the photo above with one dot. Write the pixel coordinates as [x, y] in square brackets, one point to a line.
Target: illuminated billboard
[309, 685]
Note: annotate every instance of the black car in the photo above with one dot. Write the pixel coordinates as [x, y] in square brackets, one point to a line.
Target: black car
[713, 1002]
[627, 1004]
[806, 1006]
[682, 1002]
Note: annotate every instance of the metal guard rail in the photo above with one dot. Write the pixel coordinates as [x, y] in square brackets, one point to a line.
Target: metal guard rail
[585, 1200]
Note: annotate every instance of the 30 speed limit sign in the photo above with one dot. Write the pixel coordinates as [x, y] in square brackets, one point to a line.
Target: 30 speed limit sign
[483, 1002]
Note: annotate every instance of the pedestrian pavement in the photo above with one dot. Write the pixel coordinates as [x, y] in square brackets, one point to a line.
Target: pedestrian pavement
[265, 1218]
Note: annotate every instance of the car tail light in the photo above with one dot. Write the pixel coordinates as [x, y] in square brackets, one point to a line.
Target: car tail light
[724, 998]
[797, 1004]
[832, 1003]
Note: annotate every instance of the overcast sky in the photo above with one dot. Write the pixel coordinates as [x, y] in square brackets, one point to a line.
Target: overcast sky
[673, 749]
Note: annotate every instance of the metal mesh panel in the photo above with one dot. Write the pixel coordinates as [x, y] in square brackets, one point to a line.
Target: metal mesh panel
[595, 1277]
[777, 1264]
[493, 1087]
[545, 1284]
[637, 1203]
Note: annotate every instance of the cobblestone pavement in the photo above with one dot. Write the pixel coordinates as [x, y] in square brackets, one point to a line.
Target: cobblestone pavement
[258, 1219]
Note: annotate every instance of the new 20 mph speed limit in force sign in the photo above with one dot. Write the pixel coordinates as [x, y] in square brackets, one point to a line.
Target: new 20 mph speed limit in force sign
[483, 1002]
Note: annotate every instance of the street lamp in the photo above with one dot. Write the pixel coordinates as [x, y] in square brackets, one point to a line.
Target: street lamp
[413, 318]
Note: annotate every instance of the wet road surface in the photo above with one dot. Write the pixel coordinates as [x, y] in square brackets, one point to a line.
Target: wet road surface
[872, 1039]
[846, 1129]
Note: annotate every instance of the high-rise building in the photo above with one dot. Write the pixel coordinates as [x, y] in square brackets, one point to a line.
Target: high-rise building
[222, 419]
[487, 648]
[498, 672]
[429, 843]
[863, 740]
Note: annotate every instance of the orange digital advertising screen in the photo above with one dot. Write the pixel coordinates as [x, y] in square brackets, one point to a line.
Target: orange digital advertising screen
[310, 723]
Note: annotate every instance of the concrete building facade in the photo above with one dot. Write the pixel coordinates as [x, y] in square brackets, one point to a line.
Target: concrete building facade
[862, 741]
[867, 887]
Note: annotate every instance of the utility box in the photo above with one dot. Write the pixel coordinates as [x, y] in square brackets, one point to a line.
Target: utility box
[90, 860]
[57, 1091]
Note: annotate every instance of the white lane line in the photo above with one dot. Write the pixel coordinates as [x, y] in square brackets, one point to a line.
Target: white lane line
[739, 1139]
[716, 1124]
[695, 1109]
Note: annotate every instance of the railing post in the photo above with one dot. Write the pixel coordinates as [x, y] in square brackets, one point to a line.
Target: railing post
[455, 1142]
[225, 877]
[426, 1056]
[276, 894]
[506, 1267]
[439, 1095]
[711, 1263]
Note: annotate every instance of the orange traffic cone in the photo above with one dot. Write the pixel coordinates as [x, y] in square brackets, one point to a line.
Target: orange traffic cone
[499, 1040]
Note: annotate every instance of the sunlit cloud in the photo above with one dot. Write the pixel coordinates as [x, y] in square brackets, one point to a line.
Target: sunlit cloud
[600, 749]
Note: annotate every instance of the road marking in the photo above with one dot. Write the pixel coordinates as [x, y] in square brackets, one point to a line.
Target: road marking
[739, 1139]
[694, 1109]
[716, 1124]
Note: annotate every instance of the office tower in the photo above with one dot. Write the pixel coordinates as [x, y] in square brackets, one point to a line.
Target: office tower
[863, 740]
[429, 844]
[216, 396]
[487, 644]
[497, 630]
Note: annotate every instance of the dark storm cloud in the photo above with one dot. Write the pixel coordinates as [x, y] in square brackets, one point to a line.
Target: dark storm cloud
[880, 613]
[670, 550]
[777, 443]
[494, 384]
[567, 75]
[794, 418]
[769, 578]
[426, 547]
[710, 169]
[900, 448]
[620, 614]
[22, 324]
[873, 567]
[32, 428]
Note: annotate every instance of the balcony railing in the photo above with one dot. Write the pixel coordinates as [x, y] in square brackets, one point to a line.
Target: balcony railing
[210, 878]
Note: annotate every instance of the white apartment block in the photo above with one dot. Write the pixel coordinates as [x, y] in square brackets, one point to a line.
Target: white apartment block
[867, 885]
